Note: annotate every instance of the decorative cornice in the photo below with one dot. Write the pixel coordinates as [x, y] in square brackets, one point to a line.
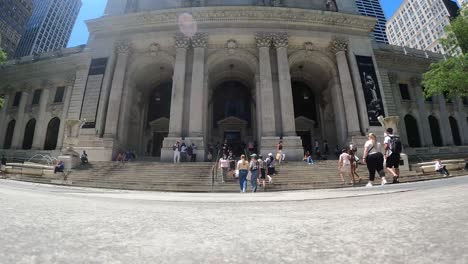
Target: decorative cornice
[200, 40]
[263, 39]
[280, 40]
[206, 16]
[181, 41]
[339, 44]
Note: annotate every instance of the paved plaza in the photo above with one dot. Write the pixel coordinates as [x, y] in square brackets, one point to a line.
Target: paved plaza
[425, 222]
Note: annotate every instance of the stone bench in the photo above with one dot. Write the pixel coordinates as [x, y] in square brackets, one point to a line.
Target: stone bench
[451, 165]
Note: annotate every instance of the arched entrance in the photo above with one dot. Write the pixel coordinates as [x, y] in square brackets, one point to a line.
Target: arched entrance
[412, 131]
[318, 108]
[29, 134]
[9, 134]
[435, 131]
[158, 112]
[455, 131]
[52, 134]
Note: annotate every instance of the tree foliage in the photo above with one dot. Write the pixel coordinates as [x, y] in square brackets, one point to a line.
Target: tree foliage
[450, 76]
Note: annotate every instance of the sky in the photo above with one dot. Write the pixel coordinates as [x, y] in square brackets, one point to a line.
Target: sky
[95, 8]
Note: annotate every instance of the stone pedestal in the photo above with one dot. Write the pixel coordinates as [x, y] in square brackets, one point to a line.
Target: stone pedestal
[71, 159]
[268, 145]
[392, 121]
[167, 153]
[293, 149]
[200, 143]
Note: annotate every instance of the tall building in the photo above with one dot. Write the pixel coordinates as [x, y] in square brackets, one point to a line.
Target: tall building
[420, 24]
[373, 8]
[14, 15]
[49, 27]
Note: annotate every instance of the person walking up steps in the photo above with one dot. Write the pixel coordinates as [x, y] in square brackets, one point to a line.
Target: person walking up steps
[393, 148]
[262, 166]
[254, 166]
[374, 159]
[243, 168]
[270, 164]
[344, 166]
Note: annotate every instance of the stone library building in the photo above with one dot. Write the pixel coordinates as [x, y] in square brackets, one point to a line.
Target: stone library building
[157, 72]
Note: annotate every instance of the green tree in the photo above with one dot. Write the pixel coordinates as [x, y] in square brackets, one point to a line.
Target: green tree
[450, 76]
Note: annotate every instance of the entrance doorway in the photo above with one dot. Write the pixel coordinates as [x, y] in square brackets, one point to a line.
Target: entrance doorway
[306, 140]
[158, 138]
[234, 140]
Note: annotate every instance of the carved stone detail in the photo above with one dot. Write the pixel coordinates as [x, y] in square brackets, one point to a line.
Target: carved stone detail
[200, 40]
[393, 77]
[231, 46]
[280, 40]
[154, 48]
[181, 41]
[339, 44]
[123, 47]
[263, 39]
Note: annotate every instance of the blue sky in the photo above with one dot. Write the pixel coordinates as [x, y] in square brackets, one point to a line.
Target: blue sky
[95, 8]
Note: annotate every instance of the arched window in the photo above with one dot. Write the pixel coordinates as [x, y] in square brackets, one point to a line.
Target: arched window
[412, 131]
[435, 131]
[29, 134]
[455, 131]
[52, 134]
[9, 134]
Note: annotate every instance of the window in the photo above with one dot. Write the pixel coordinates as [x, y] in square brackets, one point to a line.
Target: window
[36, 97]
[59, 94]
[404, 91]
[17, 99]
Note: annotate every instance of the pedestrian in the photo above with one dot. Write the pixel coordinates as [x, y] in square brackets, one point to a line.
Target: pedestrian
[392, 145]
[308, 158]
[354, 164]
[270, 164]
[84, 158]
[279, 152]
[209, 157]
[3, 163]
[441, 168]
[176, 149]
[232, 160]
[194, 152]
[251, 147]
[317, 149]
[120, 159]
[183, 152]
[128, 156]
[374, 159]
[59, 167]
[243, 170]
[344, 166]
[224, 166]
[337, 152]
[262, 166]
[326, 148]
[254, 166]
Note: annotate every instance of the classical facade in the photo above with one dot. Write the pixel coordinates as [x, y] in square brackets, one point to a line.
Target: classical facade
[155, 72]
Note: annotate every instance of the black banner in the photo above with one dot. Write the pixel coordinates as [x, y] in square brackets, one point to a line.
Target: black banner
[371, 88]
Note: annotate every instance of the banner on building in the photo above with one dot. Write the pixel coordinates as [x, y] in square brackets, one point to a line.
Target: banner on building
[92, 93]
[371, 88]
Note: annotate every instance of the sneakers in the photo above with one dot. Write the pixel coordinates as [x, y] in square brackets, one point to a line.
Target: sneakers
[369, 184]
[383, 182]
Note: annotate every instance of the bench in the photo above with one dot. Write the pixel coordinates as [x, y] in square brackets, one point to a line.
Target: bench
[451, 165]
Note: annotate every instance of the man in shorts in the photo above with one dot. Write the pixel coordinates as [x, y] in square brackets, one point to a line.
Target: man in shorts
[391, 156]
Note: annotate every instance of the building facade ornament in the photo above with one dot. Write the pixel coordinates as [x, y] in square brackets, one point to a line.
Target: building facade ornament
[181, 41]
[339, 44]
[231, 46]
[154, 48]
[123, 47]
[393, 77]
[200, 40]
[263, 39]
[280, 40]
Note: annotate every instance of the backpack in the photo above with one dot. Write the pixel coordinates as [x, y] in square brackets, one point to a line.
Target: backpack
[395, 145]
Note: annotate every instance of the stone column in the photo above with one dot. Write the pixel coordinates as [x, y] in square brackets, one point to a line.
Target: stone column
[461, 119]
[268, 136]
[63, 117]
[340, 47]
[3, 119]
[17, 141]
[182, 43]
[424, 128]
[197, 95]
[115, 98]
[41, 124]
[292, 143]
[444, 122]
[103, 100]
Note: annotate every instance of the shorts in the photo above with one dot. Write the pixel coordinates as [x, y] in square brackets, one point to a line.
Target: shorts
[262, 174]
[393, 161]
[271, 171]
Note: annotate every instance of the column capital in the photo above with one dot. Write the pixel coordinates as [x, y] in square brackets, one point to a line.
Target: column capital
[200, 40]
[280, 40]
[263, 39]
[339, 44]
[393, 77]
[123, 47]
[416, 81]
[181, 41]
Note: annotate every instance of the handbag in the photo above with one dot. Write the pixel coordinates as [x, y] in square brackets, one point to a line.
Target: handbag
[249, 176]
[237, 174]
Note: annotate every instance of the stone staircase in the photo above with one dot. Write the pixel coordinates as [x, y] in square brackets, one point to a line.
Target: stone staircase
[197, 177]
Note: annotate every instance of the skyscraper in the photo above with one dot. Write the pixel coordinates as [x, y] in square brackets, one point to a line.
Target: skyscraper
[14, 15]
[49, 27]
[420, 24]
[373, 8]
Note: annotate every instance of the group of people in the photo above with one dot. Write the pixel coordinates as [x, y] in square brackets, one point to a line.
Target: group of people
[125, 156]
[257, 171]
[184, 153]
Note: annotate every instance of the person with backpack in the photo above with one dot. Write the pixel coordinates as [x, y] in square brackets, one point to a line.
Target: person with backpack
[374, 159]
[270, 164]
[262, 166]
[254, 167]
[393, 147]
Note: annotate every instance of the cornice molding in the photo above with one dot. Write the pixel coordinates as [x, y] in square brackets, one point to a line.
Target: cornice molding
[246, 15]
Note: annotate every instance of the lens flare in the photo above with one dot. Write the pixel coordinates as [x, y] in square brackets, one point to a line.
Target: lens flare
[187, 25]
